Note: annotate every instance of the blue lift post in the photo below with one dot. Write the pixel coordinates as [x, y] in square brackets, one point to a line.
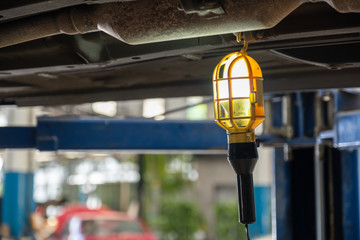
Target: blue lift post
[347, 140]
[350, 170]
[282, 192]
[18, 191]
[341, 171]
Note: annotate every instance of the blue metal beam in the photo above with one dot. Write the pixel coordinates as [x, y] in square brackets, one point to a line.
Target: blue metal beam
[75, 133]
[53, 134]
[17, 137]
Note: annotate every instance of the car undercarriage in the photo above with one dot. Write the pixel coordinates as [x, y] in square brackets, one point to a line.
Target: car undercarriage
[68, 52]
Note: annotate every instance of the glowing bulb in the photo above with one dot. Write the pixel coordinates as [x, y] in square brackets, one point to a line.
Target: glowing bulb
[227, 66]
[223, 89]
[238, 96]
[240, 88]
[239, 69]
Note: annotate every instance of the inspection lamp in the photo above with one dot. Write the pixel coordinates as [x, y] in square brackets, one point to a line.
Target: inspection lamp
[239, 108]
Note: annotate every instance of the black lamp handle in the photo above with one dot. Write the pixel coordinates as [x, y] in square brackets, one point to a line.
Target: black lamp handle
[246, 201]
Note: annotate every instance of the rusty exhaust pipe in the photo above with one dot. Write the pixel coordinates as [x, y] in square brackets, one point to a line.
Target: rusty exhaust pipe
[156, 21]
[144, 21]
[45, 25]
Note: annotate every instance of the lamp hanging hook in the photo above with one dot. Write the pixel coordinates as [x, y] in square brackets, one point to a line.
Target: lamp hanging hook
[245, 47]
[238, 39]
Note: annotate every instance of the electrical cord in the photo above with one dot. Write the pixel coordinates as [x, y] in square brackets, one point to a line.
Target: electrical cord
[247, 231]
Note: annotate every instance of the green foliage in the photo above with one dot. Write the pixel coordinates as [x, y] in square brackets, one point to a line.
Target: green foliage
[179, 220]
[156, 173]
[227, 226]
[165, 180]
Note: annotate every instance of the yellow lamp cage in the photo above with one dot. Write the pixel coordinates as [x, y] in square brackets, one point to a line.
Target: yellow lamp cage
[238, 93]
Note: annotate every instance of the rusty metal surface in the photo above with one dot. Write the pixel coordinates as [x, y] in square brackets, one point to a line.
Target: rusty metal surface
[44, 25]
[144, 21]
[208, 8]
[155, 21]
[23, 30]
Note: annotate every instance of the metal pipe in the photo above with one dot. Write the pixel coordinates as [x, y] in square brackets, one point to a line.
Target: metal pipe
[46, 25]
[145, 21]
[24, 30]
[155, 21]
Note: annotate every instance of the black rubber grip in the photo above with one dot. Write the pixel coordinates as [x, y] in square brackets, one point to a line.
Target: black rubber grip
[246, 198]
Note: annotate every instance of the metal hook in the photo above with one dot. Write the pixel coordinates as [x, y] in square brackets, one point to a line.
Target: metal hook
[238, 39]
[245, 47]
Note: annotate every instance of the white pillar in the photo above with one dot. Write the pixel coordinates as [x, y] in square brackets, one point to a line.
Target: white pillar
[19, 165]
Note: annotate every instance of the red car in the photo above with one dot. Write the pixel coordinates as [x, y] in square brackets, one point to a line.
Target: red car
[81, 223]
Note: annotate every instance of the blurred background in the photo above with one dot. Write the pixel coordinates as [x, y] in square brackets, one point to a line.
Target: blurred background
[178, 195]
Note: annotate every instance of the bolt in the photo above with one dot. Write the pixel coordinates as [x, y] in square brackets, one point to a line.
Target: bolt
[259, 35]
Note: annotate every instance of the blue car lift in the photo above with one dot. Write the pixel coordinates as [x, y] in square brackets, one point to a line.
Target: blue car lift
[317, 195]
[317, 174]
